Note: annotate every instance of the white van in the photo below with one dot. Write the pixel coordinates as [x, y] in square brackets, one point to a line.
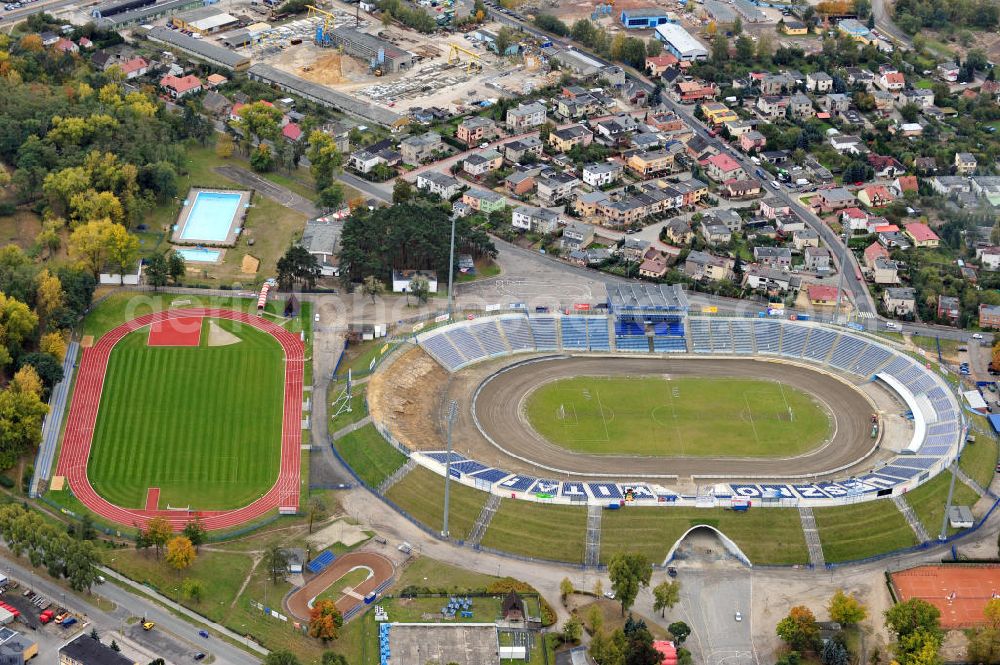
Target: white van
[892, 325]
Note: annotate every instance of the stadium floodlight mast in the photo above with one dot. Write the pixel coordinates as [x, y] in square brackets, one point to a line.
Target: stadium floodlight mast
[452, 412]
[840, 281]
[947, 506]
[451, 273]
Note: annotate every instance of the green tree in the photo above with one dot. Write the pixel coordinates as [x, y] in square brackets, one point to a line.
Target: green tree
[297, 266]
[325, 160]
[572, 630]
[654, 47]
[666, 594]
[281, 657]
[332, 197]
[114, 646]
[194, 532]
[372, 287]
[275, 562]
[628, 572]
[176, 267]
[402, 191]
[834, 653]
[158, 532]
[720, 50]
[679, 630]
[193, 589]
[330, 658]
[262, 158]
[505, 39]
[420, 288]
[156, 270]
[799, 629]
[737, 27]
[911, 616]
[845, 609]
[565, 587]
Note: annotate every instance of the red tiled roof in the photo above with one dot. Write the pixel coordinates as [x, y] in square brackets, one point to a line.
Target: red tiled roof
[133, 65]
[920, 232]
[180, 84]
[907, 183]
[662, 61]
[291, 131]
[874, 251]
[723, 162]
[820, 292]
[854, 213]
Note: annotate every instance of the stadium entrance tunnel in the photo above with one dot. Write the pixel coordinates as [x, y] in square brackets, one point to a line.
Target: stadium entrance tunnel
[706, 543]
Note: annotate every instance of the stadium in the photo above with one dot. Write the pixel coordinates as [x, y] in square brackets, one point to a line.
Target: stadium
[640, 403]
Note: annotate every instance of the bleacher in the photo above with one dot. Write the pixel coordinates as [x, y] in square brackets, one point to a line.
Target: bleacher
[442, 350]
[819, 344]
[793, 340]
[574, 333]
[597, 333]
[489, 337]
[320, 563]
[742, 332]
[468, 345]
[722, 336]
[701, 335]
[544, 332]
[767, 336]
[847, 350]
[518, 333]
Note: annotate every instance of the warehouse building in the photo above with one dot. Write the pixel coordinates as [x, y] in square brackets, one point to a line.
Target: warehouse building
[125, 14]
[204, 21]
[680, 43]
[640, 18]
[373, 50]
[210, 53]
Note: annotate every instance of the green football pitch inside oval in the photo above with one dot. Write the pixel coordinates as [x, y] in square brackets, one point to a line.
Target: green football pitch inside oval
[678, 417]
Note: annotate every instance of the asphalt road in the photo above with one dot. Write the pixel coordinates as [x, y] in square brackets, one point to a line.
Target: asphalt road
[883, 21]
[710, 599]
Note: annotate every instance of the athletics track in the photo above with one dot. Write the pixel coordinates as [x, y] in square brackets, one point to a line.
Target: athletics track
[77, 441]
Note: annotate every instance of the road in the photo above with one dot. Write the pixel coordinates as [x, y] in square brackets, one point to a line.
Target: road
[883, 22]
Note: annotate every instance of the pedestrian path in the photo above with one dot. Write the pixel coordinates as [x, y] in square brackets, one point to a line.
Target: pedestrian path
[911, 518]
[483, 522]
[593, 554]
[813, 542]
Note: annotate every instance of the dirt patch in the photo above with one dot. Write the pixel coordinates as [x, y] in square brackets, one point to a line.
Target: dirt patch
[404, 398]
[87, 341]
[219, 337]
[381, 567]
[19, 228]
[337, 532]
[326, 70]
[250, 265]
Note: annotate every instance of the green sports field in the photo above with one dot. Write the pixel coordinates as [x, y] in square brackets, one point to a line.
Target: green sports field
[203, 424]
[696, 417]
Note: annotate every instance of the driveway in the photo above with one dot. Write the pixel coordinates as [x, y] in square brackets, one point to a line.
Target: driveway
[282, 195]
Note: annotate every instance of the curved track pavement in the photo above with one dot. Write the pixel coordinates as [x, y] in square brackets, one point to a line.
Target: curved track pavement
[382, 569]
[78, 438]
[498, 403]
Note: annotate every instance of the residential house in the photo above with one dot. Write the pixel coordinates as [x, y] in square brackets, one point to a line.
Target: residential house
[921, 97]
[876, 196]
[965, 163]
[885, 166]
[579, 106]
[421, 148]
[922, 235]
[133, 68]
[678, 231]
[820, 173]
[890, 236]
[737, 128]
[752, 141]
[800, 106]
[948, 309]
[833, 199]
[613, 129]
[438, 183]
[537, 220]
[215, 104]
[567, 138]
[845, 143]
[793, 27]
[516, 151]
[601, 174]
[925, 165]
[726, 216]
[64, 45]
[775, 84]
[689, 92]
[949, 185]
[819, 82]
[555, 187]
[873, 252]
[649, 163]
[788, 225]
[472, 131]
[835, 103]
[885, 271]
[741, 188]
[987, 187]
[722, 167]
[526, 116]
[85, 650]
[773, 257]
[180, 86]
[948, 72]
[717, 113]
[576, 236]
[633, 249]
[860, 76]
[320, 238]
[817, 259]
[900, 301]
[482, 162]
[692, 190]
[821, 296]
[904, 184]
[482, 200]
[521, 181]
[715, 234]
[703, 266]
[891, 81]
[654, 267]
[804, 239]
[854, 220]
[885, 102]
[365, 159]
[772, 107]
[292, 131]
[213, 81]
[989, 316]
[769, 280]
[909, 129]
[989, 257]
[655, 66]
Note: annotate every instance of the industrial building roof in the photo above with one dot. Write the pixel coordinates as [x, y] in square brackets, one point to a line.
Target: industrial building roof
[138, 15]
[679, 38]
[646, 296]
[199, 48]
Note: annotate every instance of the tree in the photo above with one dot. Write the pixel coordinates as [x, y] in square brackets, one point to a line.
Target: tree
[53, 344]
[47, 367]
[679, 630]
[912, 616]
[799, 628]
[595, 618]
[275, 562]
[259, 121]
[628, 572]
[666, 594]
[654, 47]
[402, 191]
[919, 647]
[317, 510]
[330, 658]
[737, 27]
[834, 653]
[180, 552]
[194, 532]
[224, 146]
[324, 159]
[262, 159]
[505, 39]
[114, 646]
[545, 130]
[26, 380]
[157, 532]
[156, 270]
[572, 630]
[192, 589]
[372, 287]
[332, 197]
[48, 295]
[744, 49]
[720, 50]
[97, 243]
[420, 288]
[565, 587]
[984, 646]
[297, 266]
[94, 635]
[176, 267]
[845, 609]
[325, 620]
[281, 657]
[992, 613]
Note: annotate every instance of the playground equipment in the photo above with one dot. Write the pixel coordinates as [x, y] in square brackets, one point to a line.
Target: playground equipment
[471, 64]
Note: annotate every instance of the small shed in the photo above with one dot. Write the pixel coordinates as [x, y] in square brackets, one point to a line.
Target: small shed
[975, 400]
[960, 517]
[292, 306]
[512, 608]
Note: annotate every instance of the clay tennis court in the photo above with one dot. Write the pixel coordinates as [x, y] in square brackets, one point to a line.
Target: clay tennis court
[180, 331]
[959, 591]
[382, 570]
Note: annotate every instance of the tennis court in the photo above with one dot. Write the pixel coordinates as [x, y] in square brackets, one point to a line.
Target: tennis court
[959, 591]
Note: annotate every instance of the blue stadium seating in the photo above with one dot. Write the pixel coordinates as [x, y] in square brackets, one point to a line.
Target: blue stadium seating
[701, 336]
[597, 333]
[632, 343]
[444, 351]
[669, 345]
[544, 332]
[489, 337]
[722, 336]
[847, 350]
[793, 339]
[518, 333]
[767, 336]
[819, 344]
[466, 343]
[574, 333]
[742, 336]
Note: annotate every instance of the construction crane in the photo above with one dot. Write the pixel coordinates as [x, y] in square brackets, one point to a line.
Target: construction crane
[453, 57]
[322, 32]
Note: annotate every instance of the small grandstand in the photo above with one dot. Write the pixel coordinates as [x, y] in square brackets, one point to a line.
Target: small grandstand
[655, 319]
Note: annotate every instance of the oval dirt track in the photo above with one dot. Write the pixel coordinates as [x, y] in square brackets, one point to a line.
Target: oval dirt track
[500, 396]
[381, 567]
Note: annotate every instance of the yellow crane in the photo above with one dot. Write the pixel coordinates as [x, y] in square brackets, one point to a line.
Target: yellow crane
[453, 57]
[327, 16]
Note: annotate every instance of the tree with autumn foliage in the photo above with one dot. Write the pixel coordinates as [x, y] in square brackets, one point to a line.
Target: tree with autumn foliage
[799, 628]
[325, 620]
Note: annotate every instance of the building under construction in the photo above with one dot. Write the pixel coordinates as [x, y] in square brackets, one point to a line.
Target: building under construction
[381, 54]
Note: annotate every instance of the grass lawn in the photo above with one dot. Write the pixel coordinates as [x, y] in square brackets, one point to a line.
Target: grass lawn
[357, 411]
[949, 347]
[539, 530]
[653, 531]
[862, 530]
[924, 84]
[433, 574]
[350, 579]
[358, 356]
[979, 459]
[928, 501]
[371, 456]
[611, 610]
[485, 268]
[421, 494]
[203, 424]
[415, 610]
[651, 416]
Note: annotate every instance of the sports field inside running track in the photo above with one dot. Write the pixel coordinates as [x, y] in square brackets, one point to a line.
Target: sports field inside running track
[684, 416]
[200, 423]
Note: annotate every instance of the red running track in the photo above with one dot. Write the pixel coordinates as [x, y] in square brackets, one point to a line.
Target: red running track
[79, 435]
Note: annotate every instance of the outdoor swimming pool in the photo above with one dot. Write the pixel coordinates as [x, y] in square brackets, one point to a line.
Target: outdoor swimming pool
[211, 216]
[199, 255]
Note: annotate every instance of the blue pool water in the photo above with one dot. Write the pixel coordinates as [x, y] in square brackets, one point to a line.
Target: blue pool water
[198, 255]
[211, 216]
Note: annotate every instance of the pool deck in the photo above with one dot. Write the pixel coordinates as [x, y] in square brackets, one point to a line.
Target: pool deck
[237, 221]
